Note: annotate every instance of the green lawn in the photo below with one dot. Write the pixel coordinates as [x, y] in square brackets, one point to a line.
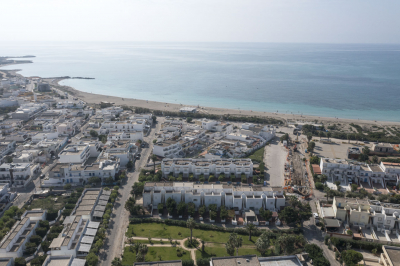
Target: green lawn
[49, 203]
[258, 155]
[166, 253]
[220, 251]
[157, 231]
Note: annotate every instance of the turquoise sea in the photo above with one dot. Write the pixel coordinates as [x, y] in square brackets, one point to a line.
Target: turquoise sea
[334, 80]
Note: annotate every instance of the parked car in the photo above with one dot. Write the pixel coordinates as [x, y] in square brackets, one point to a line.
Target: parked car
[315, 215]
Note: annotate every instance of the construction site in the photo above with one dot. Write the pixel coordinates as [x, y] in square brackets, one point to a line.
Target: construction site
[296, 173]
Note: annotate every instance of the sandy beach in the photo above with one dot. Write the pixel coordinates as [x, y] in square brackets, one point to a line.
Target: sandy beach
[93, 98]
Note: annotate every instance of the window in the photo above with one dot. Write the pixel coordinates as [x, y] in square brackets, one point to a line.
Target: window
[388, 222]
[379, 219]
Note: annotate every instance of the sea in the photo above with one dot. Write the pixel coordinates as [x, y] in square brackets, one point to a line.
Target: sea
[359, 81]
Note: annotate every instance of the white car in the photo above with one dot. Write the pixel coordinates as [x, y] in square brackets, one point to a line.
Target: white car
[316, 215]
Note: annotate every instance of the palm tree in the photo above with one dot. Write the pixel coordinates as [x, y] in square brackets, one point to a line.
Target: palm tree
[235, 241]
[154, 158]
[309, 137]
[191, 225]
[327, 190]
[116, 262]
[250, 228]
[329, 134]
[320, 134]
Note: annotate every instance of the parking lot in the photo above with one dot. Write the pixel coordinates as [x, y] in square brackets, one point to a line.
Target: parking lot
[333, 150]
[274, 159]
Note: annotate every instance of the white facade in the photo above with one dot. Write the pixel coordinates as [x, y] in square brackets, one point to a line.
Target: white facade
[22, 173]
[233, 197]
[122, 126]
[206, 167]
[28, 111]
[67, 104]
[366, 175]
[66, 173]
[13, 244]
[38, 137]
[75, 153]
[67, 128]
[7, 102]
[124, 150]
[131, 136]
[167, 148]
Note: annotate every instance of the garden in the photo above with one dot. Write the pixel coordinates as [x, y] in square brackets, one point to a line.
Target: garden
[209, 241]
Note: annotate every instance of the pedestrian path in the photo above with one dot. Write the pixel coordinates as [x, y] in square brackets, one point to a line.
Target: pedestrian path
[180, 241]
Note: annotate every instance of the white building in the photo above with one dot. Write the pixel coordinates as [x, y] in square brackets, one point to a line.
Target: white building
[38, 137]
[167, 148]
[124, 150]
[69, 240]
[7, 102]
[216, 128]
[75, 153]
[188, 110]
[22, 173]
[131, 136]
[13, 244]
[366, 175]
[6, 147]
[113, 110]
[28, 111]
[266, 132]
[122, 126]
[67, 128]
[206, 167]
[10, 125]
[240, 198]
[68, 104]
[67, 260]
[79, 174]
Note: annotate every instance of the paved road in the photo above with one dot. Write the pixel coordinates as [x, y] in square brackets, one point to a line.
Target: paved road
[274, 158]
[315, 236]
[114, 244]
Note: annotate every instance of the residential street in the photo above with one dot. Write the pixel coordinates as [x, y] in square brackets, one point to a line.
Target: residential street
[315, 236]
[114, 243]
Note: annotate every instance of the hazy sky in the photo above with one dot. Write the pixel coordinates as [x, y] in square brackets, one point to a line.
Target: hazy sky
[326, 21]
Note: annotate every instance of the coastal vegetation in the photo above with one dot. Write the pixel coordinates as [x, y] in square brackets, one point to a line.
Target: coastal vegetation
[371, 134]
[226, 117]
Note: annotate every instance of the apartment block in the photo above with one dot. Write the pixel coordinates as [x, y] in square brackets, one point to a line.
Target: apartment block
[28, 111]
[240, 198]
[13, 244]
[366, 175]
[206, 167]
[168, 148]
[353, 211]
[79, 174]
[75, 153]
[18, 174]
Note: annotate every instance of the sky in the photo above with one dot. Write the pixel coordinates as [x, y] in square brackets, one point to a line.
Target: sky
[294, 21]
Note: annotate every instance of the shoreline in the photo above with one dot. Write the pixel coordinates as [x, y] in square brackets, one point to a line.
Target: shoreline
[93, 98]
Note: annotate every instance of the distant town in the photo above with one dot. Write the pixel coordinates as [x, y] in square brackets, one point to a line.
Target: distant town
[107, 184]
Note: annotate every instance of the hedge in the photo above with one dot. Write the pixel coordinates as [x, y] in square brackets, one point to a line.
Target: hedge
[202, 262]
[241, 231]
[341, 243]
